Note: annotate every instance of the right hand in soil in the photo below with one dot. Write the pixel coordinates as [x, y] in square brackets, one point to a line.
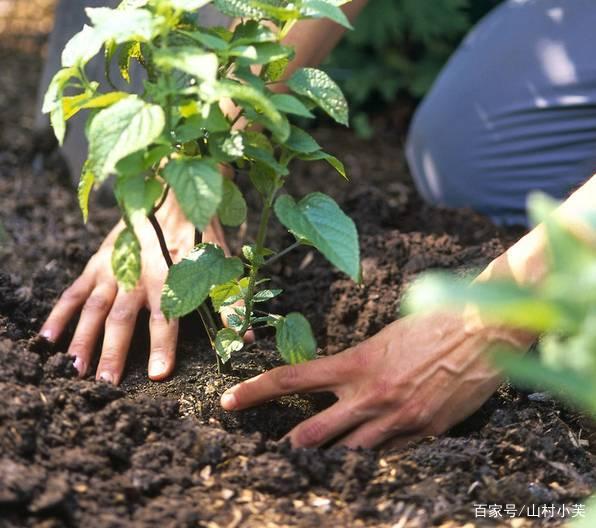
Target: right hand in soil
[105, 306]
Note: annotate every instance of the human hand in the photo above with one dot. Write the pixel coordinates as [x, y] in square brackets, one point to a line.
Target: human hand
[104, 305]
[419, 376]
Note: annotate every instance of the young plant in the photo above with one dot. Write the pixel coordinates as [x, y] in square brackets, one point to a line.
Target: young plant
[175, 137]
[562, 308]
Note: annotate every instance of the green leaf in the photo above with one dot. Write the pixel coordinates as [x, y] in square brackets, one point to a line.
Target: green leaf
[252, 32]
[122, 25]
[129, 51]
[261, 53]
[266, 295]
[226, 343]
[276, 69]
[82, 47]
[232, 209]
[52, 102]
[319, 87]
[290, 105]
[121, 129]
[74, 104]
[188, 283]
[225, 294]
[196, 125]
[258, 9]
[332, 160]
[264, 178]
[318, 219]
[138, 195]
[198, 186]
[226, 147]
[502, 301]
[126, 259]
[190, 60]
[322, 9]
[259, 101]
[85, 185]
[294, 339]
[302, 142]
[569, 385]
[208, 40]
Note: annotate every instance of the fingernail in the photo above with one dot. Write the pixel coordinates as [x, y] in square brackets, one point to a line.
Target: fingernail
[80, 365]
[228, 401]
[107, 377]
[156, 368]
[47, 334]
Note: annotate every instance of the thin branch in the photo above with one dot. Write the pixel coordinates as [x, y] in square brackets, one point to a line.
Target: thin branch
[282, 253]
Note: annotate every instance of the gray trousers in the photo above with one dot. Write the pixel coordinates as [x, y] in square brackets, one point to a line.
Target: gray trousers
[513, 111]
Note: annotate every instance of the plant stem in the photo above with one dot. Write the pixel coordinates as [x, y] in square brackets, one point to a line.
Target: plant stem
[254, 271]
[203, 310]
[281, 253]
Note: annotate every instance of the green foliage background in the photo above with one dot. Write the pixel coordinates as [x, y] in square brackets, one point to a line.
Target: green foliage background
[399, 46]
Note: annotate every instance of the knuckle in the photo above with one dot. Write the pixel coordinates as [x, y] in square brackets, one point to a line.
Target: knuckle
[79, 346]
[121, 315]
[73, 294]
[415, 415]
[287, 377]
[96, 303]
[383, 392]
[311, 434]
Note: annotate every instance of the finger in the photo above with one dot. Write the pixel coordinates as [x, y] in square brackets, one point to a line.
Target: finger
[164, 336]
[120, 326]
[411, 420]
[93, 317]
[326, 425]
[317, 375]
[68, 304]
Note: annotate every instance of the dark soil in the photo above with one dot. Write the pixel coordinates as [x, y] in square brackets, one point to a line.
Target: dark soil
[81, 453]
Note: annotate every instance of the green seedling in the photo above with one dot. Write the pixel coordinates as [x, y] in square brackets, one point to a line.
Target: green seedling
[174, 137]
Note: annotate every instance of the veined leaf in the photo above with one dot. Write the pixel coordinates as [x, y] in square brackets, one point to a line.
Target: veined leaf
[83, 191]
[198, 186]
[249, 95]
[82, 47]
[294, 339]
[232, 209]
[332, 160]
[291, 105]
[226, 343]
[302, 142]
[52, 102]
[74, 104]
[126, 259]
[318, 86]
[323, 9]
[258, 9]
[189, 60]
[138, 195]
[129, 125]
[129, 51]
[501, 301]
[224, 294]
[122, 25]
[318, 219]
[189, 281]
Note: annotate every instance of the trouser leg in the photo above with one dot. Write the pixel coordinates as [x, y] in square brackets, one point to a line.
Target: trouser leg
[513, 111]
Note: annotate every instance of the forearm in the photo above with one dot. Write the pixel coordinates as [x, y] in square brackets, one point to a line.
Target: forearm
[312, 41]
[526, 261]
